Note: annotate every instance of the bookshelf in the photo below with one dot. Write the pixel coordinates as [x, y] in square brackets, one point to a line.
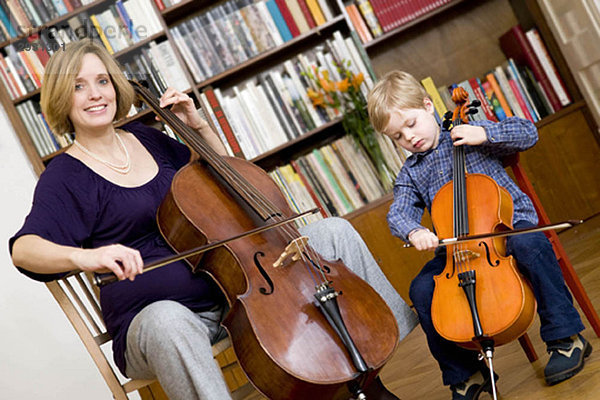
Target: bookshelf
[451, 43]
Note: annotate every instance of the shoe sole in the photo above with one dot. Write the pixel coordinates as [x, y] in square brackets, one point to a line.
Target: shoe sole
[553, 380]
[486, 387]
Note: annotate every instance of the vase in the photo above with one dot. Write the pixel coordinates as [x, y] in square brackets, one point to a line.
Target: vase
[356, 124]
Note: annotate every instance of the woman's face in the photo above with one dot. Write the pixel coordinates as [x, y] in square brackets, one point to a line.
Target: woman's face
[94, 99]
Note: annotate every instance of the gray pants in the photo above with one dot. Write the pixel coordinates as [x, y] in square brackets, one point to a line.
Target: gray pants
[169, 342]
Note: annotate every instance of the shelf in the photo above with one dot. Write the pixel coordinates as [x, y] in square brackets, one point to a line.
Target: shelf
[26, 96]
[53, 22]
[283, 154]
[560, 113]
[139, 44]
[180, 10]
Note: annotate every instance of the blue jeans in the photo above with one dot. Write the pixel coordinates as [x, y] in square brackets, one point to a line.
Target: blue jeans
[537, 262]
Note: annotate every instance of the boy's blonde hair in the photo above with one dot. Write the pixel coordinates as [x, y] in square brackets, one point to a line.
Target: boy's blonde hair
[397, 90]
[58, 84]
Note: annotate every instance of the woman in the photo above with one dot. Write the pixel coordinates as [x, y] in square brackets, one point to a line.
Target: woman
[94, 210]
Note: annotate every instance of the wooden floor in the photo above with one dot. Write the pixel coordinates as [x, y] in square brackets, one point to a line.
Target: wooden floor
[412, 373]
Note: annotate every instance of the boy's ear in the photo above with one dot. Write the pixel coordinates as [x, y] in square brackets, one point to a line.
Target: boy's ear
[428, 104]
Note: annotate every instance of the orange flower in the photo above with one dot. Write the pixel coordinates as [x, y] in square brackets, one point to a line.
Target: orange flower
[316, 97]
[343, 85]
[357, 80]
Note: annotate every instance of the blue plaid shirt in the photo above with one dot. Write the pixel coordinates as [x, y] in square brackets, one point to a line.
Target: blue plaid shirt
[423, 174]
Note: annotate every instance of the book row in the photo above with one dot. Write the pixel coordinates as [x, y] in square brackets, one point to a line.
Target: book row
[18, 17]
[273, 107]
[373, 18]
[23, 67]
[232, 32]
[337, 178]
[520, 86]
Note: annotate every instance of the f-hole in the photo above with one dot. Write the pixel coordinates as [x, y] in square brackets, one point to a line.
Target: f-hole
[262, 271]
[487, 255]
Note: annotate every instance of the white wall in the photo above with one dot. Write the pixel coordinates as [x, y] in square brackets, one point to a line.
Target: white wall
[41, 356]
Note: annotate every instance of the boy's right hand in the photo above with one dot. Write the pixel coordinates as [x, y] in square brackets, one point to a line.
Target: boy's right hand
[423, 239]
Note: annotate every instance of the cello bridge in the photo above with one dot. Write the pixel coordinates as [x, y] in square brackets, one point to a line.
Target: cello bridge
[293, 250]
[462, 256]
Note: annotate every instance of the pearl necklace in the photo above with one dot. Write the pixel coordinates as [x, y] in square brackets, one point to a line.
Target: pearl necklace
[121, 169]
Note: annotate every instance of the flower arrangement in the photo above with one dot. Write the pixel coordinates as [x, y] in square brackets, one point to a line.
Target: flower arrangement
[344, 98]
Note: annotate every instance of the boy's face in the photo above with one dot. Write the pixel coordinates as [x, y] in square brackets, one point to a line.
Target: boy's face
[414, 129]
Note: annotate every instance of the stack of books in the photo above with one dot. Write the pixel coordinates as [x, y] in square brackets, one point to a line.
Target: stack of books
[273, 107]
[526, 85]
[373, 18]
[232, 32]
[119, 26]
[337, 178]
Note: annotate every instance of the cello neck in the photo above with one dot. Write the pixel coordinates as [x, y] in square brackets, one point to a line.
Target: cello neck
[253, 197]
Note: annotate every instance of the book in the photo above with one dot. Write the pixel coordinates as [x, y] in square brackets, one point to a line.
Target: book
[359, 24]
[520, 87]
[366, 10]
[222, 119]
[481, 96]
[548, 66]
[280, 23]
[269, 24]
[308, 172]
[515, 45]
[309, 188]
[498, 110]
[275, 105]
[287, 16]
[491, 78]
[297, 15]
[433, 93]
[315, 11]
[307, 14]
[95, 21]
[522, 104]
[241, 29]
[508, 92]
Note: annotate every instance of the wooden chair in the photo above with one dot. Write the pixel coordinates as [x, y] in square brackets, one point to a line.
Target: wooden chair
[78, 299]
[569, 274]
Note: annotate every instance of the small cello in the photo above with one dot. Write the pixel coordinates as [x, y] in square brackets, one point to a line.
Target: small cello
[301, 327]
[480, 299]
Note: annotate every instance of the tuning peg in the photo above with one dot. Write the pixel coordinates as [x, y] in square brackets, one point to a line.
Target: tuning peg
[472, 111]
[448, 115]
[475, 103]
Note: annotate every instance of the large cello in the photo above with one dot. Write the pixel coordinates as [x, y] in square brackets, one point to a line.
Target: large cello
[301, 327]
[480, 299]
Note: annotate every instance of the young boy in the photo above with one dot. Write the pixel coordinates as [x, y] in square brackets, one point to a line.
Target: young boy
[400, 108]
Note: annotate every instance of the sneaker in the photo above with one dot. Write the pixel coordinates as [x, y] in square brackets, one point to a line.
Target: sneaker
[473, 387]
[566, 358]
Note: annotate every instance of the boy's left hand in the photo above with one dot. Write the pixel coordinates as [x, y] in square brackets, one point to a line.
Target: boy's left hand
[468, 134]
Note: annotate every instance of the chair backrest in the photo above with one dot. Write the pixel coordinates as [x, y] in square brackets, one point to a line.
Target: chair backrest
[78, 299]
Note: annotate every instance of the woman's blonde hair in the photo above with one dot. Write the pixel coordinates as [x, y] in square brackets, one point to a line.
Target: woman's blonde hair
[397, 90]
[58, 84]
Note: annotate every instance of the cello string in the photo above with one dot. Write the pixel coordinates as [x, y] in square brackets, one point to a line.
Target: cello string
[236, 180]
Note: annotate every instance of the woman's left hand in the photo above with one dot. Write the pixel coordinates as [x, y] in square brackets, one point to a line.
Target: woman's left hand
[183, 107]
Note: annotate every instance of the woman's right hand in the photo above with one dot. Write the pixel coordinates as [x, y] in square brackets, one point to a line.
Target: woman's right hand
[122, 261]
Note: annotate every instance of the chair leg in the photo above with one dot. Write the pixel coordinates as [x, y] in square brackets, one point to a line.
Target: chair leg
[569, 274]
[527, 346]
[574, 284]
